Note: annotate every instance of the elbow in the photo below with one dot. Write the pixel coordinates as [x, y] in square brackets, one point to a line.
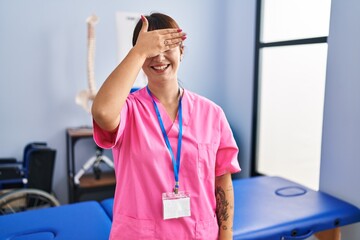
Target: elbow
[104, 119]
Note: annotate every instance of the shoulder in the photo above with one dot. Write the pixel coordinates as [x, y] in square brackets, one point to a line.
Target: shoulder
[137, 96]
[137, 93]
[202, 102]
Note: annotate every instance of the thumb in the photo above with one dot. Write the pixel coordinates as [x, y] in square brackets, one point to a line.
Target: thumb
[145, 24]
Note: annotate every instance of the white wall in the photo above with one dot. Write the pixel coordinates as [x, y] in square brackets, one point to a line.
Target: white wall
[340, 162]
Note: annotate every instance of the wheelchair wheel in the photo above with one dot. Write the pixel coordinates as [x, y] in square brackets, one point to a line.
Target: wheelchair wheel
[20, 200]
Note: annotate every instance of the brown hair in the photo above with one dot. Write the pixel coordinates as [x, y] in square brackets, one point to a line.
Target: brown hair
[156, 21]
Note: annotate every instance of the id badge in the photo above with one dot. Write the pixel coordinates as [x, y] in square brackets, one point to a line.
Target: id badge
[176, 205]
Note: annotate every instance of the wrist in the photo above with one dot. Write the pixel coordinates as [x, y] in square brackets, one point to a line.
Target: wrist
[228, 237]
[225, 234]
[225, 237]
[138, 53]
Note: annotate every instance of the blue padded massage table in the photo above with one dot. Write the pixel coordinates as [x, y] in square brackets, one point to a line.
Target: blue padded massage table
[275, 208]
[107, 204]
[85, 220]
[266, 208]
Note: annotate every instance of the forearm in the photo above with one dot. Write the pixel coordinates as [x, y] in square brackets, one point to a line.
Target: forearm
[224, 205]
[113, 93]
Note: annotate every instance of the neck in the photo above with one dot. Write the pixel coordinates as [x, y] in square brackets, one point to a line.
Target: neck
[166, 94]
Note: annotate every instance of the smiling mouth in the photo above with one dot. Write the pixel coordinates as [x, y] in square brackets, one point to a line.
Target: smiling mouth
[160, 68]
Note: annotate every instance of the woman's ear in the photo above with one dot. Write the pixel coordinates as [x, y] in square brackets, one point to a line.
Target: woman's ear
[181, 52]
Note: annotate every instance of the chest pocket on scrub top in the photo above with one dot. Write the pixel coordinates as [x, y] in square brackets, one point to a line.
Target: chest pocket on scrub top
[206, 160]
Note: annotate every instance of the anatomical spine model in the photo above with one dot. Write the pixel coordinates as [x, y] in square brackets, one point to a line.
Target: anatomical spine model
[84, 97]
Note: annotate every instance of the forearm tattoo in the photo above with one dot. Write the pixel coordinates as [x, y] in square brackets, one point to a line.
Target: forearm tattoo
[221, 206]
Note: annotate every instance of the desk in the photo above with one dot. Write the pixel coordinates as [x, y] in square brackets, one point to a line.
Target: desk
[88, 184]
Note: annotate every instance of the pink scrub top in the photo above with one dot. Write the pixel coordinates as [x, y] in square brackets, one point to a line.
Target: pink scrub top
[144, 168]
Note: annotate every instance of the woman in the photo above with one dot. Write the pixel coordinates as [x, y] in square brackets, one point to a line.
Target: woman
[173, 150]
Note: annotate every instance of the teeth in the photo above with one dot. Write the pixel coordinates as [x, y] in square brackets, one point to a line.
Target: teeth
[160, 67]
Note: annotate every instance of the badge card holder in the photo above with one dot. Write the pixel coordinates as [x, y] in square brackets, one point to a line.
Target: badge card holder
[176, 205]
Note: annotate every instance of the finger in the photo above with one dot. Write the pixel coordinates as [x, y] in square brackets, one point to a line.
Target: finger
[145, 24]
[176, 40]
[175, 35]
[169, 31]
[171, 46]
[174, 44]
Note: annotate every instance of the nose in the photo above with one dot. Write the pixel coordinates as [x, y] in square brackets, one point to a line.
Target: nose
[160, 57]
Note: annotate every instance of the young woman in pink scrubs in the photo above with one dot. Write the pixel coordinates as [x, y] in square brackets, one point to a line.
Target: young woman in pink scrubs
[173, 150]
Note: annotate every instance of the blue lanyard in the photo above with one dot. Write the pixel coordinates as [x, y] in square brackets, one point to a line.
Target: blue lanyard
[176, 163]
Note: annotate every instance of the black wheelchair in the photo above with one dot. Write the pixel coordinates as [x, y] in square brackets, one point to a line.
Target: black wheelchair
[27, 185]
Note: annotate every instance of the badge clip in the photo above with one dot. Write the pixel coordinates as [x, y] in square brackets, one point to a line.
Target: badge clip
[176, 188]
